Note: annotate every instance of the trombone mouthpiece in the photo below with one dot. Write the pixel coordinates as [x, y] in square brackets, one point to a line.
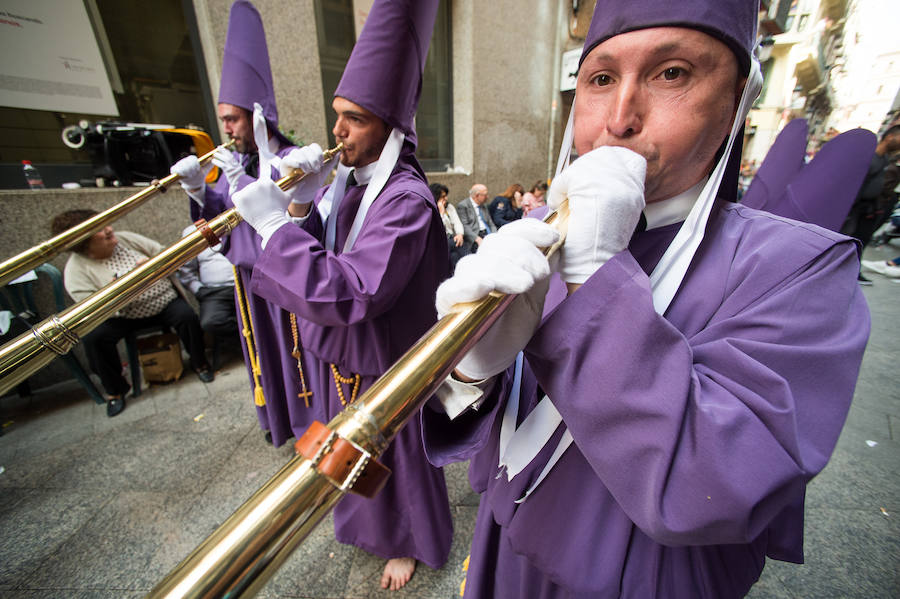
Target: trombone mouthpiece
[329, 154]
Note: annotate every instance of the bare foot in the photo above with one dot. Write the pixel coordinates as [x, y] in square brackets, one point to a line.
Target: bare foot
[397, 572]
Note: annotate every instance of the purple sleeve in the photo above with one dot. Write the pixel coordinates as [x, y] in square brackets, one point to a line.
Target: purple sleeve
[447, 441]
[314, 225]
[297, 273]
[703, 438]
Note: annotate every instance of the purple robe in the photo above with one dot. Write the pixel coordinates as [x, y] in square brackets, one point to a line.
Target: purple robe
[279, 377]
[694, 434]
[360, 310]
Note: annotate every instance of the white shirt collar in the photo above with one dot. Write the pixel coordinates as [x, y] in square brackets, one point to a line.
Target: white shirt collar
[363, 174]
[673, 210]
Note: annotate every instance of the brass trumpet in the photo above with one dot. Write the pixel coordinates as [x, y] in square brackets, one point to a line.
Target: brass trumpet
[44, 251]
[56, 335]
[249, 547]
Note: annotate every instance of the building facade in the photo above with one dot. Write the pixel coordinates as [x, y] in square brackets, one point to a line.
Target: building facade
[836, 63]
[867, 76]
[491, 109]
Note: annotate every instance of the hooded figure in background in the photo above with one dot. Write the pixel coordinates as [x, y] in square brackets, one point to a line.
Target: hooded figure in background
[652, 434]
[820, 192]
[271, 352]
[355, 261]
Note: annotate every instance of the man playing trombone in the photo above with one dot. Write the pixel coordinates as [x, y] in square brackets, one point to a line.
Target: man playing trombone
[655, 436]
[247, 81]
[356, 267]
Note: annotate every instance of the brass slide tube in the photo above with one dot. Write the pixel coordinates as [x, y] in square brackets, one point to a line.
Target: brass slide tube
[58, 334]
[249, 547]
[21, 263]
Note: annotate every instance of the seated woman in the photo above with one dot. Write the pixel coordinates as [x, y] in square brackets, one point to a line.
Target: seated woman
[535, 198]
[452, 225]
[507, 206]
[99, 260]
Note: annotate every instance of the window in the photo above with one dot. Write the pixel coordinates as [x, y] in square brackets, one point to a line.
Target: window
[434, 119]
[334, 24]
[434, 125]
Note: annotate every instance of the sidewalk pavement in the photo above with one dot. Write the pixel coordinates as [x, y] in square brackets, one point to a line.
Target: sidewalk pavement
[103, 508]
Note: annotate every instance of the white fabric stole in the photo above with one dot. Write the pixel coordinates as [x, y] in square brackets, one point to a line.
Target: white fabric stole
[267, 158]
[331, 201]
[522, 444]
[516, 444]
[565, 149]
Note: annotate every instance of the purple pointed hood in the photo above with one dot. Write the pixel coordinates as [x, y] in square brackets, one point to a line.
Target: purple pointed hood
[822, 191]
[246, 74]
[782, 162]
[384, 73]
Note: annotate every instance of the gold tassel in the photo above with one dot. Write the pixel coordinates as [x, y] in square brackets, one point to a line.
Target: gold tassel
[462, 585]
[258, 397]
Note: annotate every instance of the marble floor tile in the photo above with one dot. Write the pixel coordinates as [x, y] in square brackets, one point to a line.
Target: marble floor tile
[37, 525]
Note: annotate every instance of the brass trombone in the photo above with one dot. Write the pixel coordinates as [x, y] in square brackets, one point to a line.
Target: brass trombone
[248, 548]
[44, 251]
[56, 335]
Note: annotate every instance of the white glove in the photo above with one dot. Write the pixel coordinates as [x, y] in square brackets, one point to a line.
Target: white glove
[192, 173]
[309, 159]
[193, 177]
[509, 262]
[230, 165]
[605, 188]
[262, 204]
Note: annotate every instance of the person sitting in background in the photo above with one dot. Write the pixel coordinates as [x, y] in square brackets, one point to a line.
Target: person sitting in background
[534, 198]
[506, 207]
[452, 225]
[476, 220]
[96, 262]
[210, 277]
